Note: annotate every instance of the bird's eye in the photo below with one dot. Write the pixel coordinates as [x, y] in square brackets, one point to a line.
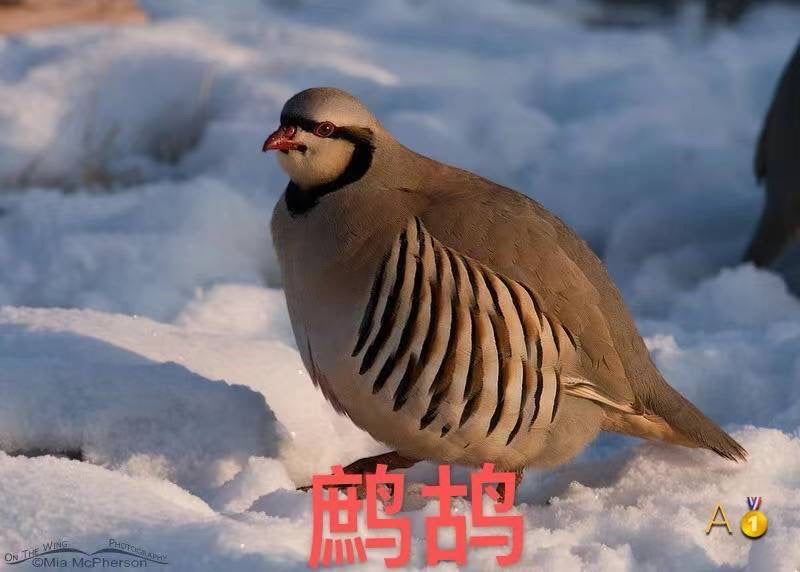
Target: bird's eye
[324, 129]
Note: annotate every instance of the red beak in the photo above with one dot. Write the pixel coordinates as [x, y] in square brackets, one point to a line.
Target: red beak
[282, 140]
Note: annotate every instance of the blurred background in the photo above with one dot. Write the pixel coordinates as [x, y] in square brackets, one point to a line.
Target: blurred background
[130, 172]
[131, 177]
[137, 270]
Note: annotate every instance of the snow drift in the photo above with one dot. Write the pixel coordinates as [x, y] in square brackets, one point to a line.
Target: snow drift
[134, 250]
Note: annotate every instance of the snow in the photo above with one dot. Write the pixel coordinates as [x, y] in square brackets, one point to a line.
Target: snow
[142, 321]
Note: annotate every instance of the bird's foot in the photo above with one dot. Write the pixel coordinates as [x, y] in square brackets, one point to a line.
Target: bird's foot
[369, 465]
[501, 487]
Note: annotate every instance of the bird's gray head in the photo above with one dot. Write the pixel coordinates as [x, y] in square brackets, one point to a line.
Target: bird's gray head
[325, 140]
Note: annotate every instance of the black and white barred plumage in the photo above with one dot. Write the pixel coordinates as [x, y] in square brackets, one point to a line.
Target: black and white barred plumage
[427, 305]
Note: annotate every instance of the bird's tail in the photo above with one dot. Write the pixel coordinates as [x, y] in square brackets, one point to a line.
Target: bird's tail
[669, 416]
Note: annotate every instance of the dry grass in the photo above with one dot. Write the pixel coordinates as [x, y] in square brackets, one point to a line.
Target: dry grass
[20, 16]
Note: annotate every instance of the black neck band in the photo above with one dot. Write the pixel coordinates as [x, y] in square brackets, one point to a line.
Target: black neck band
[300, 201]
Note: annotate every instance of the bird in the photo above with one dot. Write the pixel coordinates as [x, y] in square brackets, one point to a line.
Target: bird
[777, 165]
[454, 319]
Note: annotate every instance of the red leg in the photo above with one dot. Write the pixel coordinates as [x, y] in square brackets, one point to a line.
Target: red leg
[368, 465]
[501, 488]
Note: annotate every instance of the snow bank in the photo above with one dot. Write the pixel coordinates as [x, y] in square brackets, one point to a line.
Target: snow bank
[139, 253]
[134, 245]
[67, 392]
[56, 499]
[646, 510]
[610, 130]
[164, 380]
[234, 466]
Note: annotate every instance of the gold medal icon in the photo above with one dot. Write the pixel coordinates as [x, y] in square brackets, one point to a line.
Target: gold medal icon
[754, 522]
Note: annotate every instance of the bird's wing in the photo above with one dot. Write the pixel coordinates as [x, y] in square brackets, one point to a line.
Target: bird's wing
[518, 239]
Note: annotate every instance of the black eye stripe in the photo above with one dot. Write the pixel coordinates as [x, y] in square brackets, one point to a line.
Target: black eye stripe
[356, 135]
[301, 122]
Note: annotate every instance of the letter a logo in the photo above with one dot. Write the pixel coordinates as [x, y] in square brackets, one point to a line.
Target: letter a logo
[712, 522]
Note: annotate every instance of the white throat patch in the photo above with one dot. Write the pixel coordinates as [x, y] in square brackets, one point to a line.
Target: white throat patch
[324, 160]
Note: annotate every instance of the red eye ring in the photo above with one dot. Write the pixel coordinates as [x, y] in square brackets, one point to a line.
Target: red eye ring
[324, 129]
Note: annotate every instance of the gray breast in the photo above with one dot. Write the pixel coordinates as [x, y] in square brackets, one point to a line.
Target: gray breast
[463, 348]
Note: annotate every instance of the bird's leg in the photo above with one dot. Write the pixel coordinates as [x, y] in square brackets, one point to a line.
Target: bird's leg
[368, 465]
[501, 488]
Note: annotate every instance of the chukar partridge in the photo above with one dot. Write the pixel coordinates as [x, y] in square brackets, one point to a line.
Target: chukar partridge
[778, 164]
[454, 319]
